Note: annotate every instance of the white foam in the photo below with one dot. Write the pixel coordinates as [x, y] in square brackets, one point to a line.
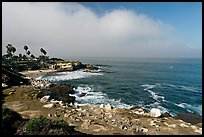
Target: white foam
[183, 105]
[169, 85]
[191, 108]
[189, 88]
[148, 86]
[96, 97]
[156, 105]
[155, 96]
[197, 108]
[69, 75]
[38, 78]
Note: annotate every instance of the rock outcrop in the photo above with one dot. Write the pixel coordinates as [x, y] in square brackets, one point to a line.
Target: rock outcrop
[155, 112]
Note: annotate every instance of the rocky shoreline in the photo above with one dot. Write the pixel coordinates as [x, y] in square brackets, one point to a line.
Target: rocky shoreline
[55, 101]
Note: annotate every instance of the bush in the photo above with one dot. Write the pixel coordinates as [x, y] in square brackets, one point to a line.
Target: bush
[44, 126]
[9, 117]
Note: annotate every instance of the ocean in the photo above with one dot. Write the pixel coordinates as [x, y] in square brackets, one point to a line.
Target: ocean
[172, 85]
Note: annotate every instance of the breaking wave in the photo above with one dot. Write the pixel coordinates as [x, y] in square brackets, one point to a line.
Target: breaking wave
[87, 95]
[61, 76]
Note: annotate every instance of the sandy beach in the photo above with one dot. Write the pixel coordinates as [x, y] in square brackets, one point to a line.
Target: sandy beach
[37, 73]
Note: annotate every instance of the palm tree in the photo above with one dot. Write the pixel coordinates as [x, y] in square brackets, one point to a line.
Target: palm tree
[28, 52]
[10, 50]
[26, 48]
[43, 51]
[32, 56]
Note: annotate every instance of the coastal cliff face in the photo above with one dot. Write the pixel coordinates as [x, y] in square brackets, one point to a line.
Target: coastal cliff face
[99, 119]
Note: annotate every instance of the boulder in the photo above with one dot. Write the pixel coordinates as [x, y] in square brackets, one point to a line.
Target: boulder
[144, 130]
[49, 115]
[45, 99]
[51, 105]
[155, 112]
[108, 106]
[12, 90]
[166, 114]
[4, 85]
[57, 114]
[101, 106]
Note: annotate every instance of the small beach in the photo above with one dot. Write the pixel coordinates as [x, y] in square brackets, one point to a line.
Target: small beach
[37, 73]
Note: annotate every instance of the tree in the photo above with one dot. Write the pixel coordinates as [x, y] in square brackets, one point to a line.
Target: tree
[10, 50]
[28, 52]
[13, 49]
[20, 55]
[43, 51]
[32, 56]
[26, 48]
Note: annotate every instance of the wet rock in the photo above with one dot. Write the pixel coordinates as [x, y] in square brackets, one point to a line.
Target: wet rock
[166, 114]
[51, 105]
[82, 94]
[155, 112]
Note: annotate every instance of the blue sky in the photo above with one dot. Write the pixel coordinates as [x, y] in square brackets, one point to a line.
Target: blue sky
[185, 17]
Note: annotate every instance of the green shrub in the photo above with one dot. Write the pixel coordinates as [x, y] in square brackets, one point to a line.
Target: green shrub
[9, 117]
[44, 126]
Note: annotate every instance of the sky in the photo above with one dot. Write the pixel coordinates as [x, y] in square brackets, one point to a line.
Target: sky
[104, 29]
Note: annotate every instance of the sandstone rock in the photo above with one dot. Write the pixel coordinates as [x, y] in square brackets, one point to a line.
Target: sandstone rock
[157, 128]
[10, 93]
[123, 127]
[66, 115]
[144, 130]
[198, 130]
[183, 125]
[49, 115]
[155, 112]
[45, 99]
[57, 115]
[152, 123]
[139, 112]
[12, 90]
[51, 105]
[86, 124]
[101, 106]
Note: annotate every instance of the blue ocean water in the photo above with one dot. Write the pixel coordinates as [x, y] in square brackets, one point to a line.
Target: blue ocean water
[172, 85]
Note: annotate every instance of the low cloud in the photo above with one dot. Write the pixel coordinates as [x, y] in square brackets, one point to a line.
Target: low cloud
[71, 29]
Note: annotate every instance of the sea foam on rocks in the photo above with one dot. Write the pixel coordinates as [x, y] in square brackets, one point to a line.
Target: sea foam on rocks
[155, 112]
